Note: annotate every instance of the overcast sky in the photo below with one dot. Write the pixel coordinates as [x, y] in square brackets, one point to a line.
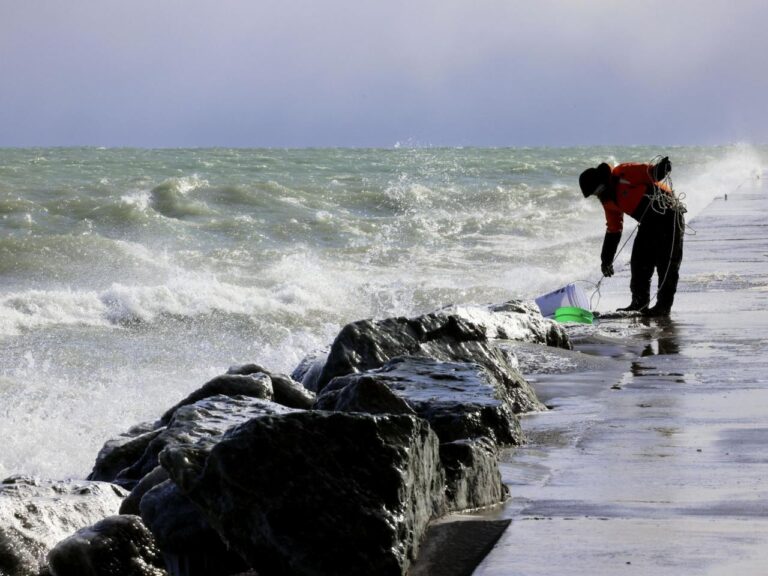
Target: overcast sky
[377, 72]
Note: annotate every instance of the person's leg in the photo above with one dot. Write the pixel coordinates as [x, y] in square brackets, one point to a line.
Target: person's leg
[668, 259]
[641, 266]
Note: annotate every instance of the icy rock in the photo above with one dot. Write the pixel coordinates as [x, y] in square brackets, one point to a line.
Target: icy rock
[367, 345]
[318, 493]
[286, 390]
[131, 503]
[254, 385]
[364, 392]
[309, 369]
[36, 514]
[473, 478]
[461, 402]
[177, 524]
[458, 399]
[202, 422]
[119, 453]
[115, 546]
[519, 320]
[126, 459]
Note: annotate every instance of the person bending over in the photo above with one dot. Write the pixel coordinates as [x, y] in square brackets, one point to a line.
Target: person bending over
[637, 190]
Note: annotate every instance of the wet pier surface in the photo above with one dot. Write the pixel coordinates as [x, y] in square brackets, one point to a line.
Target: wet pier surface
[654, 457]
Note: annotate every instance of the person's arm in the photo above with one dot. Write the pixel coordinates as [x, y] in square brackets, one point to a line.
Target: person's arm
[610, 244]
[614, 223]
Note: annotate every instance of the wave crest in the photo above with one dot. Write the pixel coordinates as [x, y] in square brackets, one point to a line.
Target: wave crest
[123, 305]
[172, 198]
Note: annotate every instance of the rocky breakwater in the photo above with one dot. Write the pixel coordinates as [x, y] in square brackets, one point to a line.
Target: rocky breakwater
[338, 469]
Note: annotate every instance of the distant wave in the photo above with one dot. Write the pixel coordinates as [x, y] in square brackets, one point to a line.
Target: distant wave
[172, 198]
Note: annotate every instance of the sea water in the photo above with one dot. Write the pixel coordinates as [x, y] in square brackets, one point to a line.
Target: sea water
[130, 277]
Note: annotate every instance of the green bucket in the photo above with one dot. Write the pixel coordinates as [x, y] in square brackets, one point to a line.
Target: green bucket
[573, 314]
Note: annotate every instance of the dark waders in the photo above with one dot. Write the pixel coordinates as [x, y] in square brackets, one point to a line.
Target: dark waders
[658, 246]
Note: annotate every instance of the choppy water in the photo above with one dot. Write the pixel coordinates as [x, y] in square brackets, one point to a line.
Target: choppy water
[130, 277]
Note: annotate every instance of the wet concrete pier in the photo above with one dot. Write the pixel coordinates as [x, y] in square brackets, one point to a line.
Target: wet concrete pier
[654, 458]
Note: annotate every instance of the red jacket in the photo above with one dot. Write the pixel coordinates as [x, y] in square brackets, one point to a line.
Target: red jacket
[629, 183]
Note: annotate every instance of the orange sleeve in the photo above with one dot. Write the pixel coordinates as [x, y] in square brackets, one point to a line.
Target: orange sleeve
[614, 217]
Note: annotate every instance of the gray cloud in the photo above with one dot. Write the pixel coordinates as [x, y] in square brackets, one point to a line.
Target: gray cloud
[452, 72]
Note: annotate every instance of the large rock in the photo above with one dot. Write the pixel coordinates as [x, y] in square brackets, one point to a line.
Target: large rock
[518, 320]
[119, 453]
[286, 390]
[203, 422]
[473, 478]
[132, 502]
[368, 344]
[184, 535]
[179, 527]
[258, 385]
[318, 493]
[309, 369]
[367, 392]
[458, 399]
[127, 458]
[37, 514]
[115, 546]
[461, 404]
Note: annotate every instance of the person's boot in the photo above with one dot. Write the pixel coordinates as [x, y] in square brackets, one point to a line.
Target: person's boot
[657, 311]
[635, 306]
[662, 307]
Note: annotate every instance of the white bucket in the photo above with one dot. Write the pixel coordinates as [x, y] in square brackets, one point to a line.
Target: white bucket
[570, 295]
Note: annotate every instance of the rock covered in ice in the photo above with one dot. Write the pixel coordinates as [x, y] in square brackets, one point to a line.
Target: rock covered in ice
[309, 369]
[458, 399]
[240, 473]
[463, 405]
[115, 546]
[369, 344]
[473, 478]
[436, 334]
[131, 502]
[36, 514]
[258, 385]
[128, 457]
[513, 320]
[366, 392]
[318, 493]
[119, 453]
[203, 423]
[176, 523]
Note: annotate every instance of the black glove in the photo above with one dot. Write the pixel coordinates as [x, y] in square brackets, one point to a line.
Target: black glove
[607, 270]
[661, 169]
